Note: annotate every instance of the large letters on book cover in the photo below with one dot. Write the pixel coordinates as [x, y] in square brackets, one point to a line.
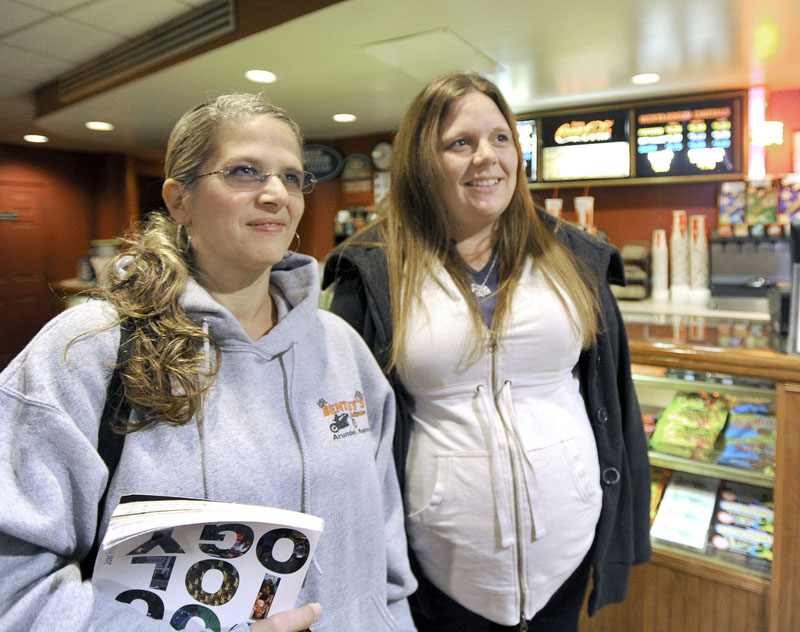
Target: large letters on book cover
[218, 563]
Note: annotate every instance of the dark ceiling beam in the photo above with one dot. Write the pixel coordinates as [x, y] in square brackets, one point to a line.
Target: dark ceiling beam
[251, 16]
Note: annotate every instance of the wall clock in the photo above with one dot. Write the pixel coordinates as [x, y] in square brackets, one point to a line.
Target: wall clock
[382, 155]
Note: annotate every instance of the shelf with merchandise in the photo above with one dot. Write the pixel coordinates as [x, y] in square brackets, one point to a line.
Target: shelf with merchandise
[721, 571]
[722, 472]
[715, 522]
[658, 388]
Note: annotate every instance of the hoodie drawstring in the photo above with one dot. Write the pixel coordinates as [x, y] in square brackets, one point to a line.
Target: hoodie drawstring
[504, 407]
[501, 506]
[507, 411]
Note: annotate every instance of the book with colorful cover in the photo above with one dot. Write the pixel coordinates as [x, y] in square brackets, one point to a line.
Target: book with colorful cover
[218, 563]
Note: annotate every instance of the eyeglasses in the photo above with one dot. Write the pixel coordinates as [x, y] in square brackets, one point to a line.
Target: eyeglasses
[248, 178]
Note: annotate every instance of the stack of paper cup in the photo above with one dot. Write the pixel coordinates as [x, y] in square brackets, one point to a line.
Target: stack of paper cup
[553, 206]
[584, 207]
[679, 258]
[660, 266]
[699, 293]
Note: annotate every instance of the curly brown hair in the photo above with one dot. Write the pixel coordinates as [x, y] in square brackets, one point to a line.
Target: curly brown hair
[169, 367]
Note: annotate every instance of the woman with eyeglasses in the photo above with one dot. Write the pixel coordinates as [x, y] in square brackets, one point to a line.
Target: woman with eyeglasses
[519, 436]
[232, 374]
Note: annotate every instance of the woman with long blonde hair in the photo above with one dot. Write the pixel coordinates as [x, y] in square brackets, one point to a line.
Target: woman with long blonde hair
[231, 373]
[519, 440]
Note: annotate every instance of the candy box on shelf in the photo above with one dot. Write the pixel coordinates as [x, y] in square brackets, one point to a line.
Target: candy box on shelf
[789, 199]
[761, 202]
[743, 524]
[684, 513]
[731, 203]
[750, 435]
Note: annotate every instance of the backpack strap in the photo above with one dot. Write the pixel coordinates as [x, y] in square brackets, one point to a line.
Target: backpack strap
[110, 442]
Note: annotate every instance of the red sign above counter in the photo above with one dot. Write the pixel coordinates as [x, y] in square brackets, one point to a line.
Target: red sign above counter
[586, 146]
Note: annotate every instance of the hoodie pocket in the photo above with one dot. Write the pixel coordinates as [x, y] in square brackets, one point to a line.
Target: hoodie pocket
[425, 510]
[562, 476]
[369, 613]
[456, 535]
[461, 493]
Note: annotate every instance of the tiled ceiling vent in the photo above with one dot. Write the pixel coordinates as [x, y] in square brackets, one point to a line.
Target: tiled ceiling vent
[197, 27]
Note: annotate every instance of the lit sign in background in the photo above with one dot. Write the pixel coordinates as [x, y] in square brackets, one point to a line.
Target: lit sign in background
[688, 139]
[526, 130]
[586, 146]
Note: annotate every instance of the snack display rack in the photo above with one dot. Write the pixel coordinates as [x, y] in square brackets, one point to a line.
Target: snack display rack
[686, 590]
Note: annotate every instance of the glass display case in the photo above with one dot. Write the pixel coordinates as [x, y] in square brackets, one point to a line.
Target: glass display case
[712, 447]
[667, 323]
[733, 500]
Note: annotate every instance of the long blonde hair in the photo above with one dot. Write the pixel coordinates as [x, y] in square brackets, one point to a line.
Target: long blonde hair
[416, 227]
[168, 370]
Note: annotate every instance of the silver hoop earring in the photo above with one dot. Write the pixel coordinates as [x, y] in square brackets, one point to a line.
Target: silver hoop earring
[187, 240]
[289, 252]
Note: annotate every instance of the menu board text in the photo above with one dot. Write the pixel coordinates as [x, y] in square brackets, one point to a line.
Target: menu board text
[688, 139]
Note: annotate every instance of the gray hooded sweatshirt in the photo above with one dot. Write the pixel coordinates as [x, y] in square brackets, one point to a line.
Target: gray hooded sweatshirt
[268, 434]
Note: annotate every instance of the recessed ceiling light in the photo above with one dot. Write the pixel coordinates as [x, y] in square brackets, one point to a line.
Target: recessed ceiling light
[99, 126]
[36, 138]
[261, 76]
[645, 78]
[344, 118]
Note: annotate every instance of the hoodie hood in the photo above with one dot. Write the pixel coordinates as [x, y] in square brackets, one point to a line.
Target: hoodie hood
[294, 286]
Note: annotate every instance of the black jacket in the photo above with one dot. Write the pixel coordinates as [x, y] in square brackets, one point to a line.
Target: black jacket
[622, 537]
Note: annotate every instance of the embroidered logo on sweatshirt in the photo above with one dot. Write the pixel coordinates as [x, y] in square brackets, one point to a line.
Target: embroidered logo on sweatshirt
[343, 416]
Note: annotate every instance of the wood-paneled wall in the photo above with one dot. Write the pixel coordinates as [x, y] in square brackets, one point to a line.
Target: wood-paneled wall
[80, 197]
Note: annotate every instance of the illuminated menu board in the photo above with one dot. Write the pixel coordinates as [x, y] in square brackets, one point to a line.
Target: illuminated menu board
[689, 139]
[586, 146]
[526, 130]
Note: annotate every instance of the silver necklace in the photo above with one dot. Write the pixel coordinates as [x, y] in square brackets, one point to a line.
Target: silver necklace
[481, 290]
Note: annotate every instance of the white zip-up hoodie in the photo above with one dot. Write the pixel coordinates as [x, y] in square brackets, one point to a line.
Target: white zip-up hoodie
[268, 437]
[503, 482]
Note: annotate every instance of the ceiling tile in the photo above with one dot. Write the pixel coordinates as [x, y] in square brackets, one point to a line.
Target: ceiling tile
[14, 16]
[53, 6]
[426, 55]
[22, 71]
[129, 24]
[64, 39]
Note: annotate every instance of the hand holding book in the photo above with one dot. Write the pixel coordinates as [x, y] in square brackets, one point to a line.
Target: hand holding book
[295, 620]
